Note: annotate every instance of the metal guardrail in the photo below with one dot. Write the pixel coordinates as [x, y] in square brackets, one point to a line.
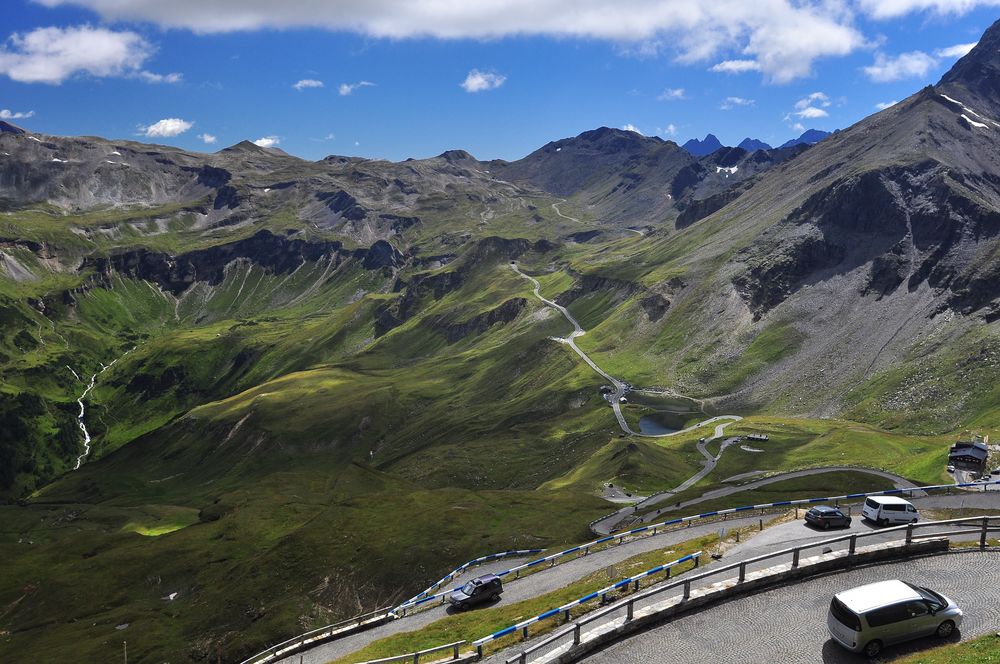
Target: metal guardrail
[792, 503]
[686, 584]
[315, 636]
[602, 594]
[415, 656]
[423, 598]
[458, 570]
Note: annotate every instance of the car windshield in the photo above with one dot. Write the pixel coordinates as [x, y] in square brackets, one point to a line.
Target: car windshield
[929, 595]
[469, 588]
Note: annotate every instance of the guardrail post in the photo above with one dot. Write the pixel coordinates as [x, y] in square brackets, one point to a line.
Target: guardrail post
[576, 635]
[416, 657]
[743, 572]
[668, 572]
[795, 558]
[909, 534]
[479, 652]
[524, 658]
[636, 586]
[586, 550]
[568, 617]
[524, 633]
[697, 561]
[854, 545]
[982, 537]
[687, 591]
[454, 653]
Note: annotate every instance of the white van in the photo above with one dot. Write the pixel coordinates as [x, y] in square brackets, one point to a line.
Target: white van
[866, 618]
[889, 510]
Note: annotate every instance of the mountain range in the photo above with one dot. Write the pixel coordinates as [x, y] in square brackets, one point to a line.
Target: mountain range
[308, 383]
[710, 144]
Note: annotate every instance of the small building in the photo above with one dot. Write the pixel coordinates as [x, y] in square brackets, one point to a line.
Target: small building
[759, 437]
[971, 453]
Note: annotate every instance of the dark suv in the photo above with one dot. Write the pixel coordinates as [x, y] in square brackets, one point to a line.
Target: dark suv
[485, 588]
[824, 516]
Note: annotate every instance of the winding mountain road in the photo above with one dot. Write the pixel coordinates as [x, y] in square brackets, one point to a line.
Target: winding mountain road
[621, 387]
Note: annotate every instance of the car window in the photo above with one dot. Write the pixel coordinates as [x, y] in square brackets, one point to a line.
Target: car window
[911, 508]
[916, 608]
[893, 508]
[837, 513]
[844, 615]
[871, 503]
[886, 615]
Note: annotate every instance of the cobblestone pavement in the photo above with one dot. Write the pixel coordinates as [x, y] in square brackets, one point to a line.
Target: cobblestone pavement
[788, 624]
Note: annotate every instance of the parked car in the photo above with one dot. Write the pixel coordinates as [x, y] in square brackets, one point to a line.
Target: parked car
[867, 618]
[824, 516]
[486, 588]
[996, 471]
[889, 510]
[950, 468]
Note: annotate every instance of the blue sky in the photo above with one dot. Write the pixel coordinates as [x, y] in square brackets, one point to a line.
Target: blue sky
[181, 72]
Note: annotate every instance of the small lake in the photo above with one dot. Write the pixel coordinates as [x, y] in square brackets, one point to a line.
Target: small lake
[651, 425]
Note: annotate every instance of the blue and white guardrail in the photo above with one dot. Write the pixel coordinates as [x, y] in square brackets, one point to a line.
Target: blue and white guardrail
[424, 598]
[424, 595]
[586, 598]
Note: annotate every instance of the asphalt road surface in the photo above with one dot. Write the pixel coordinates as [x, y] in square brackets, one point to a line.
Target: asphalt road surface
[516, 590]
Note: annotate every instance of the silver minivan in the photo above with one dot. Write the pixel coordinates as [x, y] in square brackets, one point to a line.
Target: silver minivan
[866, 618]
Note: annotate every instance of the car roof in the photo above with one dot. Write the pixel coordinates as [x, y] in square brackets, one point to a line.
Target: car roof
[889, 500]
[485, 578]
[875, 595]
[826, 508]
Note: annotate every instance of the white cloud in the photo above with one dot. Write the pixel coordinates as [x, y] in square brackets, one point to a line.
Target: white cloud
[7, 114]
[810, 113]
[166, 128]
[882, 105]
[151, 77]
[956, 51]
[628, 126]
[330, 137]
[886, 69]
[208, 139]
[51, 55]
[784, 37]
[669, 130]
[798, 126]
[267, 141]
[349, 88]
[672, 94]
[814, 99]
[478, 81]
[883, 9]
[308, 83]
[730, 103]
[810, 107]
[735, 66]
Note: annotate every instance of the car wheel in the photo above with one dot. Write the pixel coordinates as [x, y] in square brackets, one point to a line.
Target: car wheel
[495, 597]
[881, 523]
[945, 629]
[826, 525]
[873, 648]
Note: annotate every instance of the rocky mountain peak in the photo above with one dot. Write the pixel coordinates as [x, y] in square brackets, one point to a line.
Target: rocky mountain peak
[8, 128]
[704, 147]
[978, 72]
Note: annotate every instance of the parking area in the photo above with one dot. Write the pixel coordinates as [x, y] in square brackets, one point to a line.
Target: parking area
[788, 624]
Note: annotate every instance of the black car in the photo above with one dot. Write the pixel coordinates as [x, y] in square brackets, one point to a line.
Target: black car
[486, 588]
[824, 516]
